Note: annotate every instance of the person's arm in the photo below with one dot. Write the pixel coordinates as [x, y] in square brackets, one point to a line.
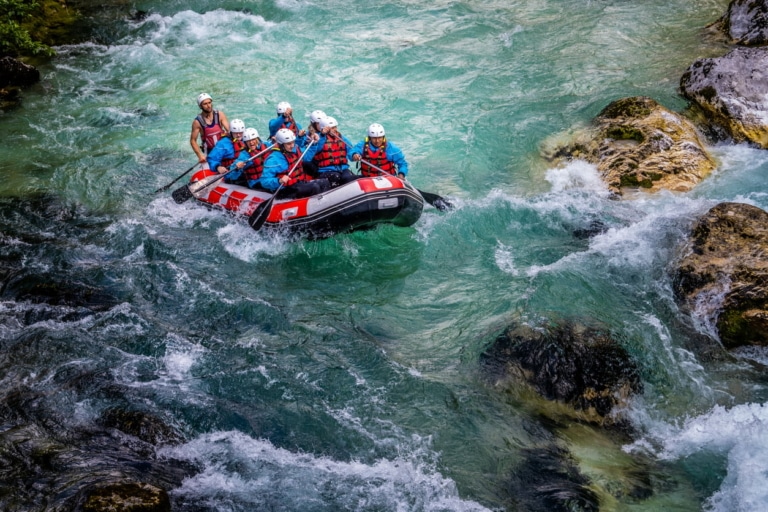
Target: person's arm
[218, 153]
[310, 153]
[396, 156]
[224, 123]
[356, 153]
[193, 136]
[274, 125]
[274, 165]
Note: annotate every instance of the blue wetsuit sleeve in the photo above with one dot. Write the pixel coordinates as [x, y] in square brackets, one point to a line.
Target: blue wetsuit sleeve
[219, 152]
[275, 164]
[396, 156]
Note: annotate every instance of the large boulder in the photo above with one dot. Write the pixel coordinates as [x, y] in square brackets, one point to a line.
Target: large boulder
[723, 276]
[746, 22]
[581, 367]
[733, 92]
[636, 142]
[15, 72]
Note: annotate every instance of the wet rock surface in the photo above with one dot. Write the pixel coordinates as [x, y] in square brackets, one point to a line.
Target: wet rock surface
[732, 90]
[636, 142]
[579, 366]
[723, 275]
[746, 22]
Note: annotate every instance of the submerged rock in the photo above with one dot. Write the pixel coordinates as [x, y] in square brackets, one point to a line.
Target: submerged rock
[579, 366]
[144, 426]
[724, 273]
[548, 480]
[746, 22]
[733, 92]
[128, 497]
[635, 142]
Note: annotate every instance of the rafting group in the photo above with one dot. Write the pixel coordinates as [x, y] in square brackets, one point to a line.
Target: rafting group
[294, 161]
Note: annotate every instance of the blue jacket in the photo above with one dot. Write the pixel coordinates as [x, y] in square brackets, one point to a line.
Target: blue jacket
[317, 146]
[277, 123]
[235, 173]
[274, 165]
[394, 155]
[221, 151]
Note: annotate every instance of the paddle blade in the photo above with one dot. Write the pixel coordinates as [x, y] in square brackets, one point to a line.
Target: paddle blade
[437, 201]
[181, 194]
[260, 214]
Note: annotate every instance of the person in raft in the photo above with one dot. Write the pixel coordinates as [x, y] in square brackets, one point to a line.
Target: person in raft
[314, 122]
[284, 168]
[227, 149]
[248, 167]
[329, 153]
[377, 150]
[207, 128]
[285, 119]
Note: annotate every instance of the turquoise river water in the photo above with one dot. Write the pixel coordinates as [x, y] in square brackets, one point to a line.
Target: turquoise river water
[343, 374]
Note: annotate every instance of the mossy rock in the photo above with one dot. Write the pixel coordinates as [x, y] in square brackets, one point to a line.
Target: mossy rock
[637, 143]
[127, 497]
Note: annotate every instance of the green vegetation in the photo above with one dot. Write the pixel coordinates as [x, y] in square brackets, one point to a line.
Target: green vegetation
[15, 38]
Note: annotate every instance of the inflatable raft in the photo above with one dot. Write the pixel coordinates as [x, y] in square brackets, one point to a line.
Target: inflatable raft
[360, 204]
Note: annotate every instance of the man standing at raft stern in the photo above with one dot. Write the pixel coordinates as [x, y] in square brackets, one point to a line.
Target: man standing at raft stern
[210, 126]
[376, 150]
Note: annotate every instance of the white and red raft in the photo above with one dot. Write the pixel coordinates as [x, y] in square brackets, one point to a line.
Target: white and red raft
[360, 204]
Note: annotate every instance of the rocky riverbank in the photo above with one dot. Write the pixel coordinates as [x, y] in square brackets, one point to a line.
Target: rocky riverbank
[571, 373]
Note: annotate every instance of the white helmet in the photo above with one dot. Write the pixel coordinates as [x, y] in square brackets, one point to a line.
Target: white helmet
[316, 116]
[250, 134]
[202, 98]
[328, 121]
[282, 107]
[375, 130]
[284, 135]
[237, 126]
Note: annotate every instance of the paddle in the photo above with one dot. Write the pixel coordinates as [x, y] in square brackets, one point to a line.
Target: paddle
[177, 179]
[184, 193]
[256, 220]
[435, 200]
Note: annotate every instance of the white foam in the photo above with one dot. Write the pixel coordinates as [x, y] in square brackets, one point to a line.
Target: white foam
[242, 473]
[577, 174]
[740, 434]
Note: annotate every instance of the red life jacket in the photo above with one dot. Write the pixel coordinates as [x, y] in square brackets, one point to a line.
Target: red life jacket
[253, 171]
[333, 152]
[298, 175]
[292, 127]
[211, 132]
[377, 157]
[239, 146]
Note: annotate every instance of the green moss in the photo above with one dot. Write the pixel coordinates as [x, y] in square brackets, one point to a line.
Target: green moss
[624, 132]
[733, 328]
[629, 107]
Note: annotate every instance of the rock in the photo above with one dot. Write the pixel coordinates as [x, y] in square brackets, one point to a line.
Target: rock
[548, 480]
[144, 426]
[733, 92]
[724, 273]
[14, 72]
[746, 22]
[127, 497]
[635, 142]
[579, 366]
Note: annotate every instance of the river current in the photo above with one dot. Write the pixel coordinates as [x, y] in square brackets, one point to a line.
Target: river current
[343, 374]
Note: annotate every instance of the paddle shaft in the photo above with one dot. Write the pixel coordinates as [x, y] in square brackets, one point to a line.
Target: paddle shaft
[256, 220]
[177, 179]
